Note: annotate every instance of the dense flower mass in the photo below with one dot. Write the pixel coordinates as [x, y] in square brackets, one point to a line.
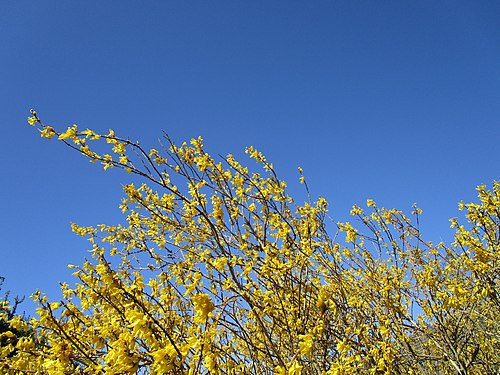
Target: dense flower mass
[219, 271]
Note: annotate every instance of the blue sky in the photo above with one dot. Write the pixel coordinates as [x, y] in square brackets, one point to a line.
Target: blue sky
[391, 100]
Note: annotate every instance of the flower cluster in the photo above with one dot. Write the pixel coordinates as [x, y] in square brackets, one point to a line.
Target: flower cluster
[220, 271]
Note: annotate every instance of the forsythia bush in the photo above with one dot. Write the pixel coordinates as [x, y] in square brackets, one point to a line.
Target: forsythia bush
[219, 271]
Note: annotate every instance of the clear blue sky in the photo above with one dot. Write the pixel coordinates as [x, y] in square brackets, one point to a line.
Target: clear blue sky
[392, 100]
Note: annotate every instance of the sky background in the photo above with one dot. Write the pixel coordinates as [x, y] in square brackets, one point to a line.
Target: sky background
[397, 101]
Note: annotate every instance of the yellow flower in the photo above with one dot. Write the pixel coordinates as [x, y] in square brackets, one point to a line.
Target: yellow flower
[203, 306]
[343, 346]
[32, 120]
[47, 132]
[295, 369]
[306, 343]
[210, 362]
[119, 148]
[90, 134]
[356, 210]
[220, 263]
[71, 133]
